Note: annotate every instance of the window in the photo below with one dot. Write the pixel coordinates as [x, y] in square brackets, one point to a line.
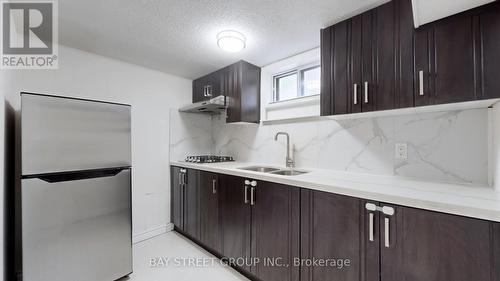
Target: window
[301, 82]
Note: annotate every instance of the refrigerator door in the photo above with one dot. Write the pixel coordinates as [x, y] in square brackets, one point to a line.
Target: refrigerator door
[64, 134]
[77, 230]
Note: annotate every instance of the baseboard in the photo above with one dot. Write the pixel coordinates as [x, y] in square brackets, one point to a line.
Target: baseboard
[152, 232]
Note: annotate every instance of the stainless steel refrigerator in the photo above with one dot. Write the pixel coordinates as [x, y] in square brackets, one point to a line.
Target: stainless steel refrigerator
[75, 189]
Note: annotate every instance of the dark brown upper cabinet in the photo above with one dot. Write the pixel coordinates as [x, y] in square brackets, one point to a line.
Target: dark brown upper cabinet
[240, 84]
[457, 58]
[209, 86]
[445, 61]
[200, 89]
[489, 59]
[243, 93]
[367, 61]
[378, 61]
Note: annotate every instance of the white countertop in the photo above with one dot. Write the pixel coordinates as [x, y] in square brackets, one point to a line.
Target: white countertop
[467, 200]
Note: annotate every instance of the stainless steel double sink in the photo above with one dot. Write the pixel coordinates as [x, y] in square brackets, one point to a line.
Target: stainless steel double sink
[274, 171]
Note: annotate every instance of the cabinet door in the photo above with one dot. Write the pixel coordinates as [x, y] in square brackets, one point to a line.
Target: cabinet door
[392, 56]
[424, 78]
[235, 218]
[233, 94]
[177, 197]
[454, 60]
[429, 246]
[199, 89]
[368, 35]
[490, 42]
[341, 87]
[337, 227]
[445, 61]
[326, 97]
[275, 231]
[385, 54]
[209, 211]
[218, 82]
[356, 62]
[336, 89]
[191, 204]
[249, 84]
[404, 55]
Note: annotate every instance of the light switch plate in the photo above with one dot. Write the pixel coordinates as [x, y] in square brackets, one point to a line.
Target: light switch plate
[402, 151]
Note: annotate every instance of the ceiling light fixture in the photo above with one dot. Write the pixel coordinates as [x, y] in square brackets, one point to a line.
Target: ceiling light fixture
[231, 41]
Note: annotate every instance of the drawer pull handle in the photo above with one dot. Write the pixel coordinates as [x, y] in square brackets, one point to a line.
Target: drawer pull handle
[421, 82]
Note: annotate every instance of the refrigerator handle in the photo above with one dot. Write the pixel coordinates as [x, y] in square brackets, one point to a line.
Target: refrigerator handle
[78, 175]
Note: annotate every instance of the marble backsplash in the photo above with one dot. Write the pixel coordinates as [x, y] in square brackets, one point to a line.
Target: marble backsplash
[190, 134]
[446, 146]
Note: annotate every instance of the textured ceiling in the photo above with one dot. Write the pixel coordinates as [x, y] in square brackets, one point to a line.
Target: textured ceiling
[178, 37]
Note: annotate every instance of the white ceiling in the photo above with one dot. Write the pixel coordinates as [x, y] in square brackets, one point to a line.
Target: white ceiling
[178, 37]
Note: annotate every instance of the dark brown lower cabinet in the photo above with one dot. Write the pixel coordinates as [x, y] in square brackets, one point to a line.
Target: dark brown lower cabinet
[177, 195]
[260, 225]
[275, 231]
[209, 210]
[191, 204]
[430, 246]
[394, 243]
[235, 219]
[334, 230]
[185, 201]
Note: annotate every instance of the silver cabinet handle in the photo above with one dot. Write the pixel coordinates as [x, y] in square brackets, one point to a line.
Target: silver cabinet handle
[388, 211]
[214, 188]
[209, 90]
[180, 178]
[366, 92]
[370, 226]
[386, 233]
[246, 194]
[371, 216]
[371, 207]
[421, 82]
[253, 183]
[355, 94]
[252, 196]
[204, 91]
[247, 182]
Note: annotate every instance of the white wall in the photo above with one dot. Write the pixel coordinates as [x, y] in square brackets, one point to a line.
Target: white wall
[150, 93]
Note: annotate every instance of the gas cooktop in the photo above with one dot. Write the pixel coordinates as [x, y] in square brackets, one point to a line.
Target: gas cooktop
[208, 159]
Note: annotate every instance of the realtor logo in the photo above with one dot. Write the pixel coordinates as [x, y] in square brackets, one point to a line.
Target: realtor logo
[29, 35]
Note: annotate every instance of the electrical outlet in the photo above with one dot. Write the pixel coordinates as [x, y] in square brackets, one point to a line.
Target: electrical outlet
[402, 151]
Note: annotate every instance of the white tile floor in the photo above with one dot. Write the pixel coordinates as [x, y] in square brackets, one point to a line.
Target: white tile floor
[172, 245]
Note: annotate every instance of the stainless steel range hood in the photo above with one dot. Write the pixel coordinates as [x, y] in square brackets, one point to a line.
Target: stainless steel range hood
[214, 105]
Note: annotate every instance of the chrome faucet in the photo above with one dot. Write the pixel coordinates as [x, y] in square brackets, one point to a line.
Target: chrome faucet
[289, 161]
